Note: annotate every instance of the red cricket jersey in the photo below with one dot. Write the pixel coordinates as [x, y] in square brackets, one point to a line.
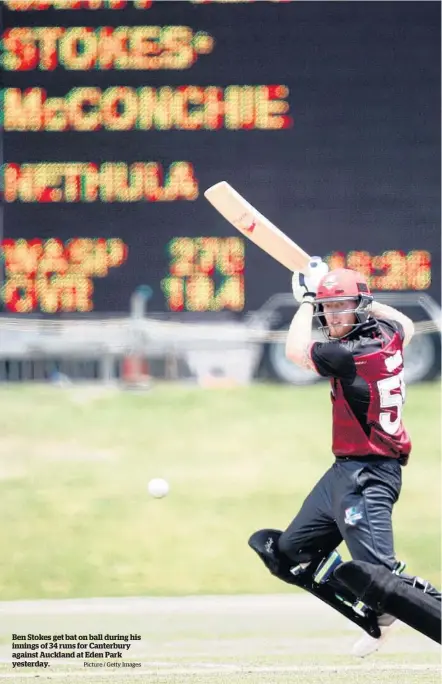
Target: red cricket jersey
[368, 391]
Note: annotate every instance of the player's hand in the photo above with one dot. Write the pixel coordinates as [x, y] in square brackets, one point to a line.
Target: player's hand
[307, 284]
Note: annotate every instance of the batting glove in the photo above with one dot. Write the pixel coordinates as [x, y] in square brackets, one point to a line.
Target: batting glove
[304, 286]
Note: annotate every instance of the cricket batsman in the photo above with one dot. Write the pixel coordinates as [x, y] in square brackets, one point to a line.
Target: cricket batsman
[362, 356]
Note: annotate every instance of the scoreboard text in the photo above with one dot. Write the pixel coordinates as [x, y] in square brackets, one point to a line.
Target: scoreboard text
[116, 117]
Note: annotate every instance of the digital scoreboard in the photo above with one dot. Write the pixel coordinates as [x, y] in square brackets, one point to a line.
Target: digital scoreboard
[118, 115]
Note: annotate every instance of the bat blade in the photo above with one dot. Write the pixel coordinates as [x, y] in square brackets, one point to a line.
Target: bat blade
[256, 227]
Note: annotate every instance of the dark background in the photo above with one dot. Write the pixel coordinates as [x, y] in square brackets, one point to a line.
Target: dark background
[359, 169]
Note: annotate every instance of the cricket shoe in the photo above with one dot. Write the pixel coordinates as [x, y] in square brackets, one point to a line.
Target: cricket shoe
[367, 644]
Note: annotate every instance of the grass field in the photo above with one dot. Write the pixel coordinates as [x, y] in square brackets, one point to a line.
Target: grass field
[276, 639]
[75, 462]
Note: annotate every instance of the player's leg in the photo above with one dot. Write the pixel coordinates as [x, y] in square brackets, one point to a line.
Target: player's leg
[365, 499]
[383, 590]
[365, 496]
[305, 554]
[313, 532]
[363, 507]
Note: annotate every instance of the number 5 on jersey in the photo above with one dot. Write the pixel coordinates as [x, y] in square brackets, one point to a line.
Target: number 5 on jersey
[392, 396]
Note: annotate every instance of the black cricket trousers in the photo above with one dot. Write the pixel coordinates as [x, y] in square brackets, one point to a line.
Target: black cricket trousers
[353, 501]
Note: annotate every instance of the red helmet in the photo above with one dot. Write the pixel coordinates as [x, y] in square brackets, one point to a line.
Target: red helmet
[342, 284]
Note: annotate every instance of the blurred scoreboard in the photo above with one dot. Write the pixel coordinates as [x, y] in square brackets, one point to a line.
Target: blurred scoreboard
[117, 116]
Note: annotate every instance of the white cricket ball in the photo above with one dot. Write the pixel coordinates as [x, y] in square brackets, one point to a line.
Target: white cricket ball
[158, 487]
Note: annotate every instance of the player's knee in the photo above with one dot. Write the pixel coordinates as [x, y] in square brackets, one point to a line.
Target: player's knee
[297, 551]
[284, 544]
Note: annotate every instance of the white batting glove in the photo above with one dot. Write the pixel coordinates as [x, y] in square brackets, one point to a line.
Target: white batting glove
[304, 286]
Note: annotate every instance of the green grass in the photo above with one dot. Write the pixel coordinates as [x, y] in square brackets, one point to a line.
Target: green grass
[77, 519]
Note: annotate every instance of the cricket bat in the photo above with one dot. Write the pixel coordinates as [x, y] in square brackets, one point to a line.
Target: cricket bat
[256, 227]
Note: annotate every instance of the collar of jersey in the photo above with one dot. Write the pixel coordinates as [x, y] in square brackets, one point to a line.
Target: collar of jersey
[364, 330]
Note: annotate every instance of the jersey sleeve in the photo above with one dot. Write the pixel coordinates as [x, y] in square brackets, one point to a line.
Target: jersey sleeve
[332, 359]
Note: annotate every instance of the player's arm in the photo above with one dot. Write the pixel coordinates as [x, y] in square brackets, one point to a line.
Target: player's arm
[329, 359]
[389, 313]
[333, 359]
[299, 337]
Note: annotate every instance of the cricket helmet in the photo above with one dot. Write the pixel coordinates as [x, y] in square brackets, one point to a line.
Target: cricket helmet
[344, 284]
